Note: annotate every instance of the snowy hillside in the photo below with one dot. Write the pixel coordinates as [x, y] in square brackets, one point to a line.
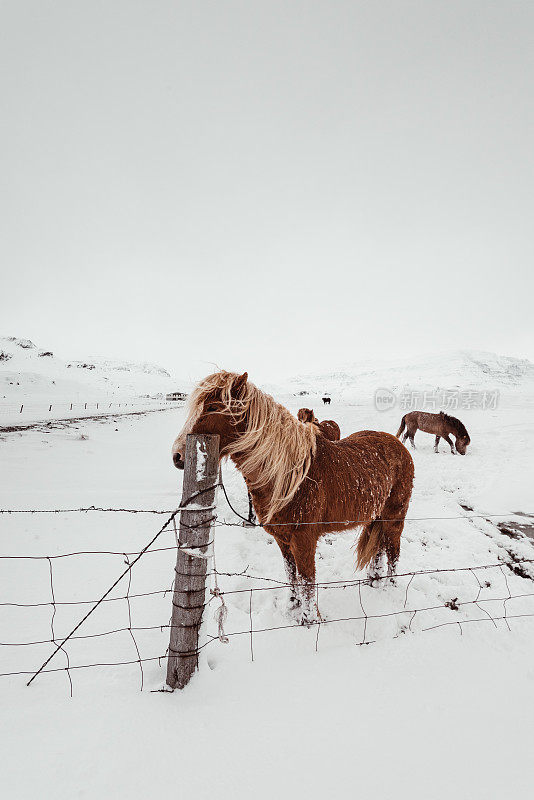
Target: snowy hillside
[462, 370]
[28, 371]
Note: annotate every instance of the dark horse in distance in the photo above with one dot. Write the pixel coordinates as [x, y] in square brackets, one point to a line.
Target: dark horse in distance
[302, 484]
[441, 425]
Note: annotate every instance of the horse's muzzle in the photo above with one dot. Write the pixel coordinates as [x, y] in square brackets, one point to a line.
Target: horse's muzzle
[178, 461]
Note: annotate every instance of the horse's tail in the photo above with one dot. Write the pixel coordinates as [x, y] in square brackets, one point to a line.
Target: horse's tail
[369, 544]
[402, 426]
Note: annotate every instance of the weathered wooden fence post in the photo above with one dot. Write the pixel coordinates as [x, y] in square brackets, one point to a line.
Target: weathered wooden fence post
[200, 479]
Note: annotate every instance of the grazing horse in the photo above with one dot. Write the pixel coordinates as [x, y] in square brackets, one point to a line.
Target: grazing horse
[440, 425]
[303, 485]
[326, 400]
[328, 427]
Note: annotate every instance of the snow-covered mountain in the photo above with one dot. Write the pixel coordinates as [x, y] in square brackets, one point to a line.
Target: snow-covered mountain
[460, 370]
[27, 370]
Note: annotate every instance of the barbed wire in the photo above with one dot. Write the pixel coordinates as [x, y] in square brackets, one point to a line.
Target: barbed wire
[228, 523]
[84, 510]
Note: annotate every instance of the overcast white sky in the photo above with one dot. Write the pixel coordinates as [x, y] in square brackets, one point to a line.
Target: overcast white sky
[271, 186]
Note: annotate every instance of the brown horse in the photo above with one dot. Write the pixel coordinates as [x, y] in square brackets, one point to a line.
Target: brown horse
[303, 485]
[328, 427]
[440, 425]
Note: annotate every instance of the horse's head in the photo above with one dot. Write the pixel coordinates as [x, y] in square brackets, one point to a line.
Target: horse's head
[461, 444]
[306, 415]
[215, 406]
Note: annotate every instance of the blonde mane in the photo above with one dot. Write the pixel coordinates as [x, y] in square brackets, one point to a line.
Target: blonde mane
[275, 448]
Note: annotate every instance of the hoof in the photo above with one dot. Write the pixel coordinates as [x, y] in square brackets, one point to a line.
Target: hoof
[309, 622]
[311, 618]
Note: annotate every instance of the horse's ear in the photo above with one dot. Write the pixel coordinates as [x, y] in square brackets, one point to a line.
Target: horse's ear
[239, 382]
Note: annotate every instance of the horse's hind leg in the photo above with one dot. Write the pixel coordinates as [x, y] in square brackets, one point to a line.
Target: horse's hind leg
[410, 433]
[393, 546]
[436, 444]
[371, 549]
[393, 515]
[376, 567]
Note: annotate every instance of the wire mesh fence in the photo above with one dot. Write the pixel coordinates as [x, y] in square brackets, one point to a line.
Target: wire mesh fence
[138, 624]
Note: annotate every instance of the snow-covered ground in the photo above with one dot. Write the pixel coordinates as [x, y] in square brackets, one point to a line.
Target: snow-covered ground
[421, 711]
[36, 385]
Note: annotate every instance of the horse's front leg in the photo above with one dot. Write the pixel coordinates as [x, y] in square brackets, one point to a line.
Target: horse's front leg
[291, 574]
[449, 442]
[303, 547]
[436, 444]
